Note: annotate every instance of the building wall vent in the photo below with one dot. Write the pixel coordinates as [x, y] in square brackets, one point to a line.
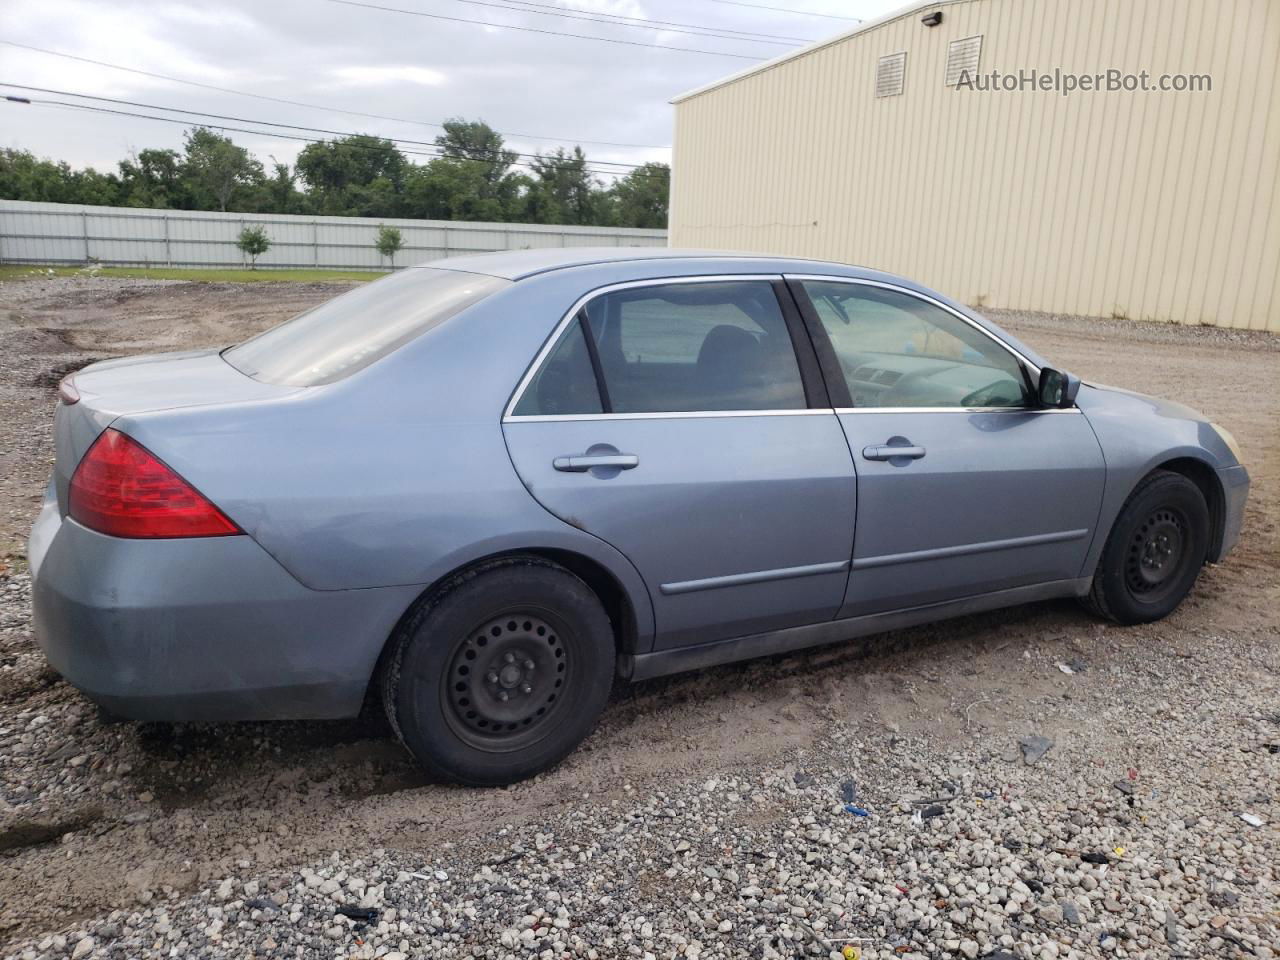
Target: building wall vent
[890, 72]
[963, 55]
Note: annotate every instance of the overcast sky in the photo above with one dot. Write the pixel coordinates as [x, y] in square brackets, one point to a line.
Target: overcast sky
[532, 87]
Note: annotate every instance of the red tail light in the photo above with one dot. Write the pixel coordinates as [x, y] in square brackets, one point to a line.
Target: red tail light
[120, 488]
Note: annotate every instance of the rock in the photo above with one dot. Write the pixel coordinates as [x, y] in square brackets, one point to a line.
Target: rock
[1070, 912]
[1051, 914]
[83, 948]
[969, 948]
[1034, 748]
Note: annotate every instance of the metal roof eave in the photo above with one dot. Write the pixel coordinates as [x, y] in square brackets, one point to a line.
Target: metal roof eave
[816, 45]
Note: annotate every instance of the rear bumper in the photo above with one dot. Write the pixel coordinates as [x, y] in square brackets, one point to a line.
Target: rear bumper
[1235, 488]
[199, 629]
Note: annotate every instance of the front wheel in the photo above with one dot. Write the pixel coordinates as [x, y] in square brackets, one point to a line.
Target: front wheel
[501, 674]
[1154, 552]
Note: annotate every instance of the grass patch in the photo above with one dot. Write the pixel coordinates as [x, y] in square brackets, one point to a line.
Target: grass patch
[28, 272]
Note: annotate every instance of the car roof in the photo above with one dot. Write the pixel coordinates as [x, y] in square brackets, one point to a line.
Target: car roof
[517, 264]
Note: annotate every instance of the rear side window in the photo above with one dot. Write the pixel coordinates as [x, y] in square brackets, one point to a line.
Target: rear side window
[672, 348]
[565, 384]
[350, 332]
[691, 347]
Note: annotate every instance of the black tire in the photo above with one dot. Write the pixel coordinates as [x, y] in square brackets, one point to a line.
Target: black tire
[501, 673]
[1154, 552]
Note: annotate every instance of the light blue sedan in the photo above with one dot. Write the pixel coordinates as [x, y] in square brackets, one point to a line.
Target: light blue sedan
[490, 486]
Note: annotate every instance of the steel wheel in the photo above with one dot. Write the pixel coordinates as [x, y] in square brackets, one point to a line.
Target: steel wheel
[1156, 554]
[505, 680]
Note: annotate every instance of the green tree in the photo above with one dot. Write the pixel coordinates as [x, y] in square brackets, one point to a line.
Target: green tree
[478, 142]
[480, 149]
[474, 178]
[152, 178]
[562, 190]
[253, 243]
[23, 176]
[280, 193]
[640, 198]
[214, 168]
[354, 176]
[452, 189]
[389, 242]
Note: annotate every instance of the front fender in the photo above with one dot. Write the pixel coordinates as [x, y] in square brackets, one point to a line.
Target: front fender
[1138, 434]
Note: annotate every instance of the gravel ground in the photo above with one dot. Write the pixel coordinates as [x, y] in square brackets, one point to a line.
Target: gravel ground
[1034, 783]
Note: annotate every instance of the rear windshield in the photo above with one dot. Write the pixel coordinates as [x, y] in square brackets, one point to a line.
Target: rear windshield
[343, 335]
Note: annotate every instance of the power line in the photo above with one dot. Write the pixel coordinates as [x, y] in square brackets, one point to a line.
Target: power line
[797, 13]
[311, 106]
[267, 123]
[552, 162]
[539, 30]
[669, 23]
[638, 23]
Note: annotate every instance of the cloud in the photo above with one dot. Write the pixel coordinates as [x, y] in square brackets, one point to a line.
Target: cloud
[388, 76]
[543, 91]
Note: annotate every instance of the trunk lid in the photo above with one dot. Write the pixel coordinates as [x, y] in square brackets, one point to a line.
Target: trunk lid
[163, 381]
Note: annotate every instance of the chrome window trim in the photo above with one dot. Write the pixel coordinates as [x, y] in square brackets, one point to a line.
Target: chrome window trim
[677, 415]
[1035, 410]
[508, 415]
[927, 299]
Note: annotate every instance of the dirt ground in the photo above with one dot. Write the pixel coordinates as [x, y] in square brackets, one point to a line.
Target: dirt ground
[95, 817]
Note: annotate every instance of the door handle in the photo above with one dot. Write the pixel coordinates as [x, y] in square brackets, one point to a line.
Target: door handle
[886, 451]
[584, 462]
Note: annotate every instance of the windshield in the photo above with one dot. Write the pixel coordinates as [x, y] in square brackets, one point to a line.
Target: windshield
[349, 332]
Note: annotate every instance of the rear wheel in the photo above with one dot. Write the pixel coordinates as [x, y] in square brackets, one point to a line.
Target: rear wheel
[1154, 552]
[501, 674]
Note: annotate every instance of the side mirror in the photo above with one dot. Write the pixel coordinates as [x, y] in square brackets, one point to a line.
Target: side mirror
[1057, 388]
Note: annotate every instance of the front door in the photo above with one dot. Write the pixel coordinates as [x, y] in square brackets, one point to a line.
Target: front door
[671, 420]
[965, 486]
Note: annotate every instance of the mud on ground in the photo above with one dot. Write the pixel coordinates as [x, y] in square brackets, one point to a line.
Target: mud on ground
[95, 817]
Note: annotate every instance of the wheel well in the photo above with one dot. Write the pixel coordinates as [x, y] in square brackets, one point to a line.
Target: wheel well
[602, 583]
[1204, 477]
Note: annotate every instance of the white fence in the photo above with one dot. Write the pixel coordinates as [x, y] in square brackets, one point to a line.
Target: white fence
[61, 233]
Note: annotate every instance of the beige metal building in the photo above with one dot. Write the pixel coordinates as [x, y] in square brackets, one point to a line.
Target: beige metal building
[880, 147]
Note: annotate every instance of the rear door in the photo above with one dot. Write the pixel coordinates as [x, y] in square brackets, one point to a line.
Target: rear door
[965, 486]
[672, 419]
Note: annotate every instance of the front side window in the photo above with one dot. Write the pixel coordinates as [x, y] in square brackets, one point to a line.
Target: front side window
[672, 348]
[343, 335]
[897, 350]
